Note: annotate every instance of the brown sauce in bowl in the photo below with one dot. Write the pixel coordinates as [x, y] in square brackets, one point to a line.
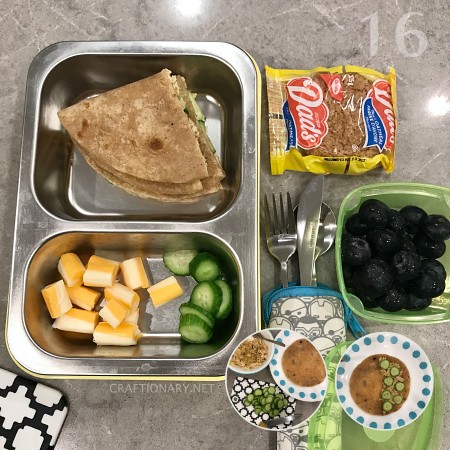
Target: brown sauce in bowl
[303, 364]
[367, 384]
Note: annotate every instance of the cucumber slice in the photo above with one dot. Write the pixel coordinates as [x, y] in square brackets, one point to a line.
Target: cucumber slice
[178, 262]
[275, 412]
[267, 407]
[280, 404]
[271, 390]
[285, 402]
[386, 395]
[194, 329]
[384, 364]
[387, 406]
[394, 371]
[204, 267]
[397, 399]
[269, 399]
[250, 397]
[247, 403]
[191, 308]
[399, 386]
[258, 410]
[208, 296]
[388, 381]
[227, 299]
[258, 392]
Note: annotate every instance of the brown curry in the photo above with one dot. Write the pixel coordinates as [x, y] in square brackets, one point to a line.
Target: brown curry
[303, 364]
[380, 384]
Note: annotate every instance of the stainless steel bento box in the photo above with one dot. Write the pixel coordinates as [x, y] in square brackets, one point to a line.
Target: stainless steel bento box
[63, 206]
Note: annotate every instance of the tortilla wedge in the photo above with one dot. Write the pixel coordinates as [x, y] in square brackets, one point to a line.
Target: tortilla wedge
[139, 129]
[211, 186]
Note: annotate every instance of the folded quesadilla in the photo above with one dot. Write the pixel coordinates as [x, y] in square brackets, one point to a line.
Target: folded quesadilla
[149, 138]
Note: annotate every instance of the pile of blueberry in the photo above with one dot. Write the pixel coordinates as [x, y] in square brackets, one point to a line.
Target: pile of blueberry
[390, 257]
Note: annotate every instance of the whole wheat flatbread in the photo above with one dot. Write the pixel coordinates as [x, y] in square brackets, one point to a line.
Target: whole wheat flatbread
[153, 187]
[210, 187]
[139, 129]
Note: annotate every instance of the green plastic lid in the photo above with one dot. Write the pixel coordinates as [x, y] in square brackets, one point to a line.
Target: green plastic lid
[332, 429]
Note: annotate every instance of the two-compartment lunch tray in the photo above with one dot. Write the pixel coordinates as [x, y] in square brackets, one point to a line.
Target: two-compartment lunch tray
[63, 206]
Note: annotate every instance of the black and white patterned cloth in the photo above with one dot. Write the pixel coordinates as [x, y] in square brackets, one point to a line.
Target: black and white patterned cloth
[244, 386]
[31, 414]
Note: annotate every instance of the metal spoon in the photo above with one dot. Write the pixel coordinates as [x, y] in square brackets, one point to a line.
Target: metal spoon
[275, 422]
[260, 336]
[325, 237]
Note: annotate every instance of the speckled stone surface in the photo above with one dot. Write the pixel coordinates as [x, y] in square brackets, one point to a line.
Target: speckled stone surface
[281, 34]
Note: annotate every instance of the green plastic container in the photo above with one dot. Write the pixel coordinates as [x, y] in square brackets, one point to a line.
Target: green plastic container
[330, 428]
[434, 200]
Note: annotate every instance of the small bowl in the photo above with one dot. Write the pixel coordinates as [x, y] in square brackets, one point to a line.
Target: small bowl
[434, 200]
[420, 372]
[270, 346]
[304, 393]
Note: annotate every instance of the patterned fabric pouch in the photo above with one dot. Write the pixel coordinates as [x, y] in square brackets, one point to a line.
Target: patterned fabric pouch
[320, 314]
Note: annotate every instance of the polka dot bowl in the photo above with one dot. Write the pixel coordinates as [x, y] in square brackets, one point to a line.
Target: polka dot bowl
[303, 393]
[420, 371]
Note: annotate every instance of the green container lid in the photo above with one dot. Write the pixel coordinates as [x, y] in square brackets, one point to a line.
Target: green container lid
[330, 428]
[432, 199]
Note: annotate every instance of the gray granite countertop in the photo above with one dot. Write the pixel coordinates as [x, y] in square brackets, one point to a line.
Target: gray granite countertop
[282, 34]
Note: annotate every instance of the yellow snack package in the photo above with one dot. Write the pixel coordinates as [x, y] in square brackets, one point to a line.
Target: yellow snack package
[338, 120]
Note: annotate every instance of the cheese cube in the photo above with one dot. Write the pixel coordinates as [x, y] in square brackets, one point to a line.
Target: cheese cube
[71, 269]
[114, 313]
[123, 295]
[133, 317]
[134, 274]
[125, 334]
[57, 299]
[164, 291]
[83, 297]
[78, 321]
[100, 272]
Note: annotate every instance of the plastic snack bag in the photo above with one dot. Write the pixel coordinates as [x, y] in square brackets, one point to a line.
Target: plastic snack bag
[339, 120]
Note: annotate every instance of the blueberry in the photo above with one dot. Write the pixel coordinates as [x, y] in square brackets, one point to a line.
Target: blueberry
[429, 248]
[374, 279]
[355, 251]
[348, 276]
[414, 303]
[406, 265]
[427, 285]
[394, 300]
[432, 264]
[436, 227]
[413, 216]
[355, 226]
[396, 223]
[374, 213]
[407, 245]
[383, 242]
[368, 302]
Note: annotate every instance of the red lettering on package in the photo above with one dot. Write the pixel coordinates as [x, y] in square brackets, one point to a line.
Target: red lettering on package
[310, 113]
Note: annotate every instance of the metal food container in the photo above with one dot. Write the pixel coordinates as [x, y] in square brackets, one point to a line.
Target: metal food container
[64, 206]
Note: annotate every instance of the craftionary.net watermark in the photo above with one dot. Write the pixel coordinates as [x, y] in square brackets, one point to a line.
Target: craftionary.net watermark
[160, 388]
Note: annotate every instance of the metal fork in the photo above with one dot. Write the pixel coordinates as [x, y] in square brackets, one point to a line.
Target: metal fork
[281, 234]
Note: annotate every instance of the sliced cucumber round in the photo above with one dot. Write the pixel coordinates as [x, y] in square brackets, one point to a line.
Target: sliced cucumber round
[208, 296]
[178, 262]
[191, 308]
[227, 299]
[194, 329]
[387, 406]
[204, 267]
[394, 371]
[384, 364]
